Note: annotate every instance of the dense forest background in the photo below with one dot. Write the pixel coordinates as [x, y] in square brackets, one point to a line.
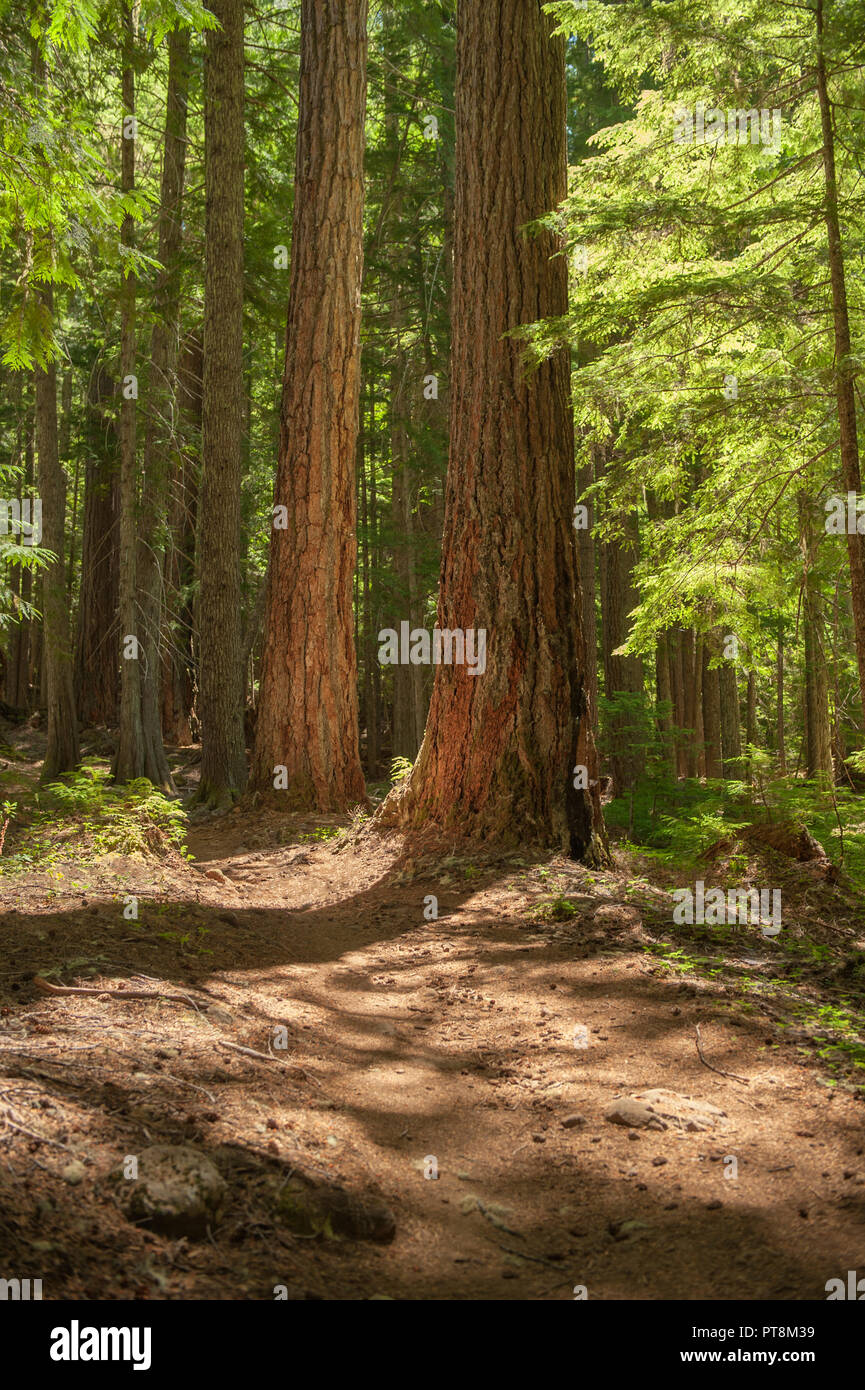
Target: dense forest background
[713, 327]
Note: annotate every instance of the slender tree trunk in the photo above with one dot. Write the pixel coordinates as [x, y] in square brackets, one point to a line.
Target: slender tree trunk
[690, 666]
[61, 753]
[711, 706]
[818, 736]
[731, 735]
[664, 699]
[96, 645]
[779, 705]
[500, 748]
[178, 682]
[845, 368]
[677, 638]
[307, 715]
[586, 559]
[623, 675]
[372, 670]
[162, 404]
[129, 758]
[17, 682]
[751, 722]
[223, 752]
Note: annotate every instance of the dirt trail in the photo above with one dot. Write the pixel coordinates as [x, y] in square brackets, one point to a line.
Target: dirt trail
[489, 1041]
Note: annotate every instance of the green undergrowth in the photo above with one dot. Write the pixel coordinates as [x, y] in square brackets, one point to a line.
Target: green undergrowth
[674, 823]
[83, 815]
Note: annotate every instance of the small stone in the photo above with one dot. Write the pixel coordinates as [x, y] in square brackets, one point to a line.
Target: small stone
[539, 1139]
[573, 1121]
[633, 1114]
[714, 1204]
[659, 1162]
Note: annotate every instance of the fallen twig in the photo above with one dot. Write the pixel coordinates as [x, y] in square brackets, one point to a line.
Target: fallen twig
[247, 1051]
[732, 1075]
[122, 994]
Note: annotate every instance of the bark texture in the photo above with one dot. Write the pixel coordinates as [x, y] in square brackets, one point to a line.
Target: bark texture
[307, 715]
[223, 753]
[500, 748]
[61, 753]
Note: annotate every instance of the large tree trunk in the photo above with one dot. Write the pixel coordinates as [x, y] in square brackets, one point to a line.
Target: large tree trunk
[307, 714]
[129, 757]
[500, 748]
[845, 389]
[161, 413]
[61, 753]
[223, 753]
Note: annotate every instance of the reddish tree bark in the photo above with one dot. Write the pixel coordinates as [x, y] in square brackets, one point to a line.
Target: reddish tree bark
[500, 748]
[307, 714]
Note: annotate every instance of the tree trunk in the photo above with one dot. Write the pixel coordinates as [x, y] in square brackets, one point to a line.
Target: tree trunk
[96, 646]
[586, 570]
[677, 638]
[372, 670]
[845, 368]
[161, 413]
[691, 672]
[623, 675]
[178, 683]
[307, 714]
[129, 757]
[818, 737]
[751, 722]
[731, 737]
[17, 678]
[223, 752]
[711, 707]
[61, 753]
[500, 748]
[664, 700]
[779, 705]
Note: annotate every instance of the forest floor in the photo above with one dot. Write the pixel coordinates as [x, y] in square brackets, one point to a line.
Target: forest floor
[494, 1039]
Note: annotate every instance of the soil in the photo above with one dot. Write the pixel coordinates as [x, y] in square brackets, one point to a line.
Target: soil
[486, 1044]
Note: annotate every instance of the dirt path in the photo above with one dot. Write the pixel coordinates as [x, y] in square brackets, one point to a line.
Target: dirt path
[488, 1043]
